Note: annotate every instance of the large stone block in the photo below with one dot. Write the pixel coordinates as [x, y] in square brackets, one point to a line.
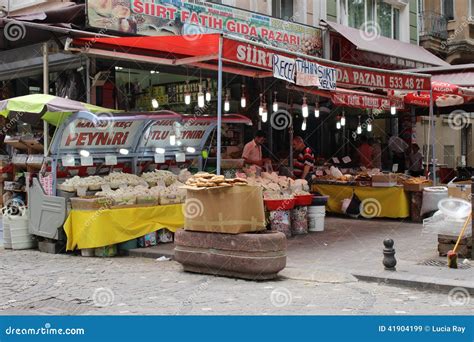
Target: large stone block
[256, 256]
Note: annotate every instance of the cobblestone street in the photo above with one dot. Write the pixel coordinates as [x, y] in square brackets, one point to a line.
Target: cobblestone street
[39, 283]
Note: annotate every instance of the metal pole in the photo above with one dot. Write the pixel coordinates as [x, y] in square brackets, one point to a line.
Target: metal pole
[219, 107]
[45, 91]
[433, 137]
[88, 80]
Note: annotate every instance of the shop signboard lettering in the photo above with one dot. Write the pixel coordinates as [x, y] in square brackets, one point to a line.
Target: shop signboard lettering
[330, 74]
[365, 102]
[195, 17]
[284, 68]
[307, 73]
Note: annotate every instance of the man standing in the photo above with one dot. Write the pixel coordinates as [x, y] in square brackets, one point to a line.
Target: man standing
[304, 159]
[252, 153]
[416, 161]
[365, 152]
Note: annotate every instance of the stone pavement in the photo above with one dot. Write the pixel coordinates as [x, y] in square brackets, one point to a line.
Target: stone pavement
[44, 284]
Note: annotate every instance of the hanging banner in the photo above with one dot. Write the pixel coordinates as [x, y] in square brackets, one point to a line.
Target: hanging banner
[195, 18]
[365, 102]
[345, 75]
[284, 68]
[327, 77]
[306, 73]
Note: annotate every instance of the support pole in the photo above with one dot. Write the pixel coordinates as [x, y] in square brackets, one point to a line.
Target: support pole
[433, 138]
[219, 107]
[45, 91]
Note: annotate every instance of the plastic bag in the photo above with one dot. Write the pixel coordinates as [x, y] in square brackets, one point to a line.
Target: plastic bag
[431, 196]
[445, 225]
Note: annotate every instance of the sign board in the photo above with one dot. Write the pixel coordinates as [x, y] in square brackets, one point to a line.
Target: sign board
[192, 132]
[284, 68]
[307, 73]
[346, 75]
[365, 101]
[179, 17]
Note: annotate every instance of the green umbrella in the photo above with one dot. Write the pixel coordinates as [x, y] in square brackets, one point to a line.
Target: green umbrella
[53, 109]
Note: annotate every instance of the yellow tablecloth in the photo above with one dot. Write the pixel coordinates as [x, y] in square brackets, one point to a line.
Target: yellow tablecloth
[390, 202]
[97, 228]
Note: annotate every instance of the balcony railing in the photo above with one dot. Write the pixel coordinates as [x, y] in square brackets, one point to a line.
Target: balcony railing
[433, 25]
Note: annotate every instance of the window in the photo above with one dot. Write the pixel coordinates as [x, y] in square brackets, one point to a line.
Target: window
[449, 156]
[364, 13]
[356, 13]
[282, 9]
[384, 15]
[396, 24]
[447, 9]
[471, 9]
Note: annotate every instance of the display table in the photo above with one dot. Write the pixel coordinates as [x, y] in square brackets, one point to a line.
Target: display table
[97, 228]
[394, 202]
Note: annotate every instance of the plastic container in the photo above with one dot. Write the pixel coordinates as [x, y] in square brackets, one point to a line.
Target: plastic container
[88, 252]
[20, 236]
[303, 200]
[299, 220]
[286, 204]
[455, 207]
[316, 215]
[431, 197]
[281, 222]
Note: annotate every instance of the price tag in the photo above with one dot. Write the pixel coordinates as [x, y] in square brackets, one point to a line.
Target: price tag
[159, 158]
[180, 157]
[68, 160]
[110, 160]
[81, 191]
[346, 160]
[105, 187]
[335, 160]
[394, 167]
[87, 161]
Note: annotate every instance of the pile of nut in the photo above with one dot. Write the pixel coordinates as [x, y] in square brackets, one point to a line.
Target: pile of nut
[209, 180]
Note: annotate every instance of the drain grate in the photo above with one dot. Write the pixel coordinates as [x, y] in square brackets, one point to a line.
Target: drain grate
[444, 263]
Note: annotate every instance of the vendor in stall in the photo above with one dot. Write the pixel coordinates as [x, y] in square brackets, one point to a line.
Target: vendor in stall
[416, 161]
[252, 153]
[304, 159]
[364, 153]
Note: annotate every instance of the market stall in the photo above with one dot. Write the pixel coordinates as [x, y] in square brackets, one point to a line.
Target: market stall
[110, 176]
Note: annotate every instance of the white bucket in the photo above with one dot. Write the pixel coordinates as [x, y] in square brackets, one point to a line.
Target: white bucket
[316, 215]
[20, 236]
[7, 239]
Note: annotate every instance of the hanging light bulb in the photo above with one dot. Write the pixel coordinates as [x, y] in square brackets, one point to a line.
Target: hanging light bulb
[187, 95]
[226, 102]
[172, 140]
[343, 119]
[359, 127]
[338, 124]
[208, 90]
[304, 108]
[260, 107]
[393, 109]
[155, 104]
[243, 99]
[316, 110]
[275, 103]
[200, 97]
[264, 113]
[303, 125]
[369, 127]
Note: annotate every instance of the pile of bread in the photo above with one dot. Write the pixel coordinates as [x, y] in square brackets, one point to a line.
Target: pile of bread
[209, 180]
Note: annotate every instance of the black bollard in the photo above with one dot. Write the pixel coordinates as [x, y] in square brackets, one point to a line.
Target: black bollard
[389, 260]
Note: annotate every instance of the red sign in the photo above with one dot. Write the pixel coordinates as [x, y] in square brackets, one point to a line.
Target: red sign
[262, 58]
[365, 102]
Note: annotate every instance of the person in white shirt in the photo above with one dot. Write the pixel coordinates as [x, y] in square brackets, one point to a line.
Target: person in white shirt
[252, 153]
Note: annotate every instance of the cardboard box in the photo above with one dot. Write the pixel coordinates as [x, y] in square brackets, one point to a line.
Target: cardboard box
[232, 210]
[416, 187]
[93, 203]
[384, 180]
[460, 191]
